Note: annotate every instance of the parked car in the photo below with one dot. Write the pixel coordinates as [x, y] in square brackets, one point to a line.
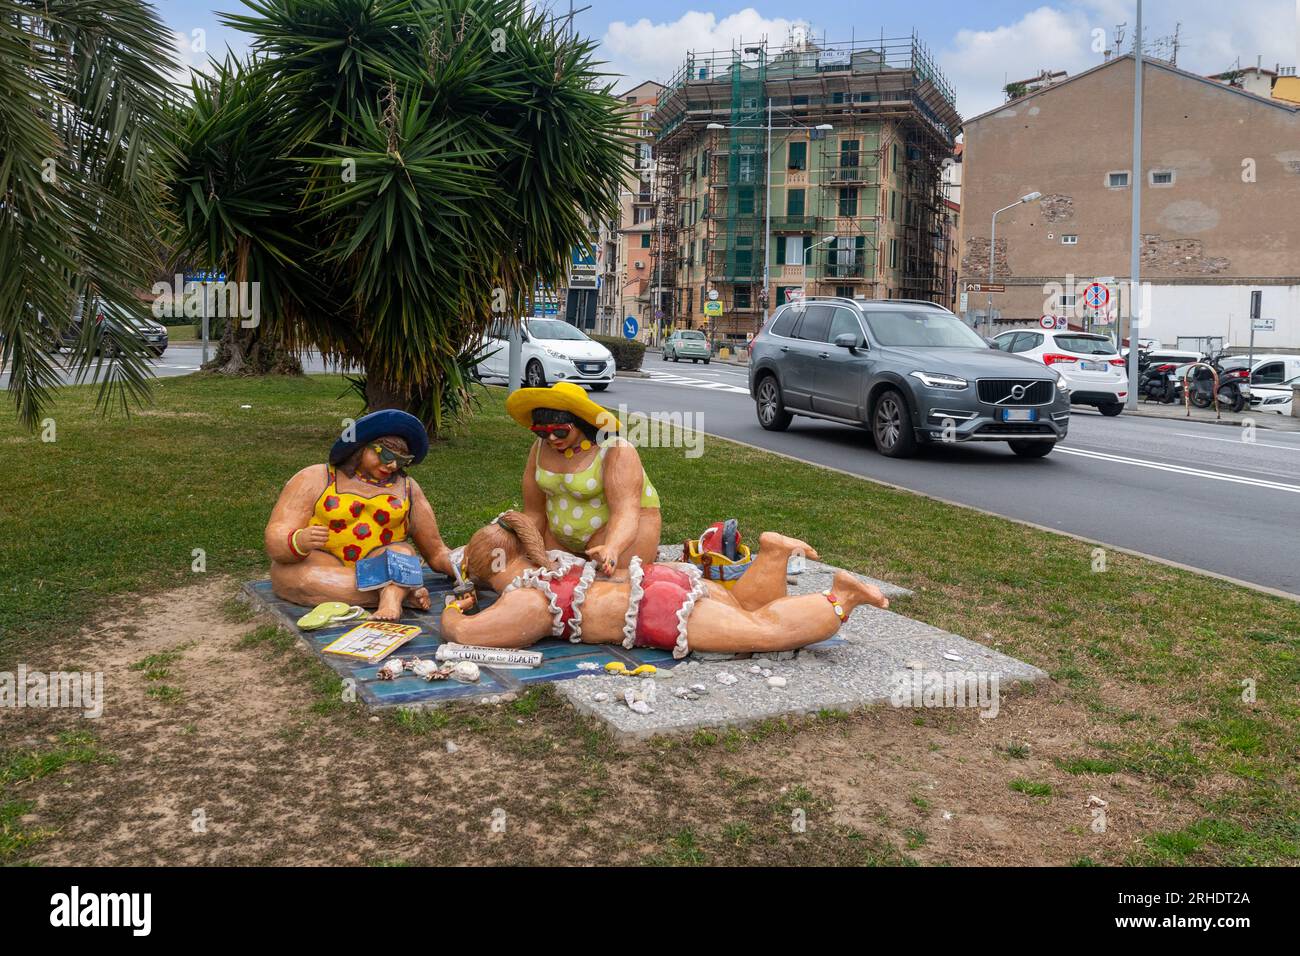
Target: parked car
[910, 371]
[1274, 397]
[151, 334]
[686, 344]
[1162, 356]
[1090, 363]
[553, 351]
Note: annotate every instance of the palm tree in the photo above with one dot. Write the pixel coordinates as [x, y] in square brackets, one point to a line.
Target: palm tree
[392, 170]
[83, 146]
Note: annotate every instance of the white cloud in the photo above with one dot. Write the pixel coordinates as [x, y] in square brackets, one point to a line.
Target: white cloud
[655, 51]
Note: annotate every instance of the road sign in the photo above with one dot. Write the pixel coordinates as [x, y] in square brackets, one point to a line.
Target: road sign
[1047, 321]
[1096, 296]
[965, 304]
[986, 287]
[713, 295]
[713, 308]
[1263, 325]
[794, 295]
[629, 327]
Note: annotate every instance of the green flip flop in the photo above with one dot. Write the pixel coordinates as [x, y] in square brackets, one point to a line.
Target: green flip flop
[329, 614]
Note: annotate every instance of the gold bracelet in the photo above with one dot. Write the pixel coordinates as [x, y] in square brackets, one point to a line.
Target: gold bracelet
[293, 544]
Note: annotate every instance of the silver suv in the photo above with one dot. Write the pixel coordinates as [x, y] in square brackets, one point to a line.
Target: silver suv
[910, 371]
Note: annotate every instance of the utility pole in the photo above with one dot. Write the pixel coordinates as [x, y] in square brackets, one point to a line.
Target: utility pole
[767, 219]
[1135, 234]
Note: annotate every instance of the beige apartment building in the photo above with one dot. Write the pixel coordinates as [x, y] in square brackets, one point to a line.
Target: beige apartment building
[629, 291]
[847, 198]
[1220, 206]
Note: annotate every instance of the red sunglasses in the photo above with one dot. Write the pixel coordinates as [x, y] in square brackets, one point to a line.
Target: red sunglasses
[559, 431]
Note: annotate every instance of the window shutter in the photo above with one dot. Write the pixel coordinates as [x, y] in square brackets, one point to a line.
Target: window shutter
[780, 249]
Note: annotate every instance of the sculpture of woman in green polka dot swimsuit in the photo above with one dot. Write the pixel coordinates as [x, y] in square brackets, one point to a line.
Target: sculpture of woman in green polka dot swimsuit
[584, 487]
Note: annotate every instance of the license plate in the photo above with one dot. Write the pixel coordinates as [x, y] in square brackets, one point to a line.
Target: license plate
[1094, 366]
[1020, 414]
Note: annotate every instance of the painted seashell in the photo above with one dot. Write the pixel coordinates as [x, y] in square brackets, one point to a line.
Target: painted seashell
[699, 688]
[601, 697]
[391, 669]
[640, 707]
[756, 669]
[466, 671]
[425, 669]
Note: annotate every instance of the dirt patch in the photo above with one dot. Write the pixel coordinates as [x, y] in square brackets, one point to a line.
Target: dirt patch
[229, 752]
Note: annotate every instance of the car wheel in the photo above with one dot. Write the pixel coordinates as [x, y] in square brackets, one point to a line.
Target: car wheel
[1032, 449]
[770, 406]
[601, 387]
[535, 376]
[665, 355]
[891, 426]
[706, 361]
[676, 359]
[1110, 409]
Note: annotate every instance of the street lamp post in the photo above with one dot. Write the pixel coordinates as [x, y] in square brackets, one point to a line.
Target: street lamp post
[767, 211]
[1135, 233]
[993, 236]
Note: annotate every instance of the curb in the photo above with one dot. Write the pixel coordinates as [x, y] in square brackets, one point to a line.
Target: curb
[1260, 421]
[628, 373]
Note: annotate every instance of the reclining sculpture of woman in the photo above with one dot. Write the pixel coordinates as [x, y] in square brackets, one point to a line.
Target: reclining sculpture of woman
[361, 504]
[668, 606]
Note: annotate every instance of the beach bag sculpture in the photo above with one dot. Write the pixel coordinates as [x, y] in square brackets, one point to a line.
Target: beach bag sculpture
[719, 553]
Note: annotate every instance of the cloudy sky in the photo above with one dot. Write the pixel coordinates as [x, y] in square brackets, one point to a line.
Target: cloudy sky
[979, 46]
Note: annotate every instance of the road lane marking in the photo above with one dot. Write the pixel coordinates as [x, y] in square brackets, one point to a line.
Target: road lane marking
[1239, 441]
[1181, 470]
[671, 378]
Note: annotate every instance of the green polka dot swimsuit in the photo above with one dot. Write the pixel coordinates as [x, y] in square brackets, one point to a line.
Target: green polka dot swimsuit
[575, 504]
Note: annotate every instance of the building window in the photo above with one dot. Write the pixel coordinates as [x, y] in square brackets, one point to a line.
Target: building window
[893, 206]
[849, 201]
[740, 297]
[844, 291]
[848, 153]
[794, 202]
[1069, 303]
[1162, 177]
[1069, 240]
[642, 214]
[893, 256]
[745, 202]
[798, 153]
[645, 240]
[1117, 179]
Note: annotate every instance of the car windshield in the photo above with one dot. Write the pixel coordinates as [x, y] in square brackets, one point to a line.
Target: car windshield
[554, 329]
[698, 336]
[937, 330]
[1086, 344]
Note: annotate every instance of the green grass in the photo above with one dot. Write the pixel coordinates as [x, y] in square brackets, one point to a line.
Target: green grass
[1170, 696]
[1031, 788]
[25, 765]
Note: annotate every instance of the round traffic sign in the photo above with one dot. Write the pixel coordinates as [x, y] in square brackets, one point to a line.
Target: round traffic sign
[1047, 321]
[1096, 295]
[629, 327]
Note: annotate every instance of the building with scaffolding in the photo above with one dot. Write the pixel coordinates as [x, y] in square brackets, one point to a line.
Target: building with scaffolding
[843, 196]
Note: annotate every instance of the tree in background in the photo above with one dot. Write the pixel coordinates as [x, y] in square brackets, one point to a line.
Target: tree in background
[395, 174]
[83, 152]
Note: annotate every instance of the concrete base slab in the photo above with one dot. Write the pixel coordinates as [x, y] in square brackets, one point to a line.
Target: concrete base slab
[864, 669]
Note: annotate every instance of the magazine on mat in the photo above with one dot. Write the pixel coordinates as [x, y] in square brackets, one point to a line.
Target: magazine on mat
[373, 640]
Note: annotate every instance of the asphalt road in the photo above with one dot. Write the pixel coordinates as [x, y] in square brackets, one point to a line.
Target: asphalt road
[1184, 491]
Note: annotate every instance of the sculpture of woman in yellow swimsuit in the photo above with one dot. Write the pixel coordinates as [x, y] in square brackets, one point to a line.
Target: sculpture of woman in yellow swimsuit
[329, 517]
[584, 488]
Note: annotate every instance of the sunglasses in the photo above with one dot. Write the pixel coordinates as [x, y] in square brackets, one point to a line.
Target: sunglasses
[388, 456]
[559, 431]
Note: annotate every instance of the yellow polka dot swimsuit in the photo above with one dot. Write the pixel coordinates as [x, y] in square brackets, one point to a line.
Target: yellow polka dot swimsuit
[575, 504]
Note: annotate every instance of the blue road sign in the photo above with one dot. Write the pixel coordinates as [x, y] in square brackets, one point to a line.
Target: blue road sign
[629, 327]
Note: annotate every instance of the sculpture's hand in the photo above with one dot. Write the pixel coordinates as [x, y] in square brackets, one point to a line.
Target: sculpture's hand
[605, 557]
[312, 538]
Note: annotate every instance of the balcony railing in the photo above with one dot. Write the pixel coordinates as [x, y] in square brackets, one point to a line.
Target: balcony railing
[806, 224]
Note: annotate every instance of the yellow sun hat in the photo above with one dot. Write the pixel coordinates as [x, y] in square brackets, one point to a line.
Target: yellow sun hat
[564, 396]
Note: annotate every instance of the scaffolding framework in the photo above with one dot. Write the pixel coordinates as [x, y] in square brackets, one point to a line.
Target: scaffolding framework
[888, 91]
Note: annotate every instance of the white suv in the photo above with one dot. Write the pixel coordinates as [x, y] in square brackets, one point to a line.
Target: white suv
[554, 351]
[1089, 363]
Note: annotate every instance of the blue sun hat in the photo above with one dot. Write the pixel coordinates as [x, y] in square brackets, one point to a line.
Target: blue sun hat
[386, 421]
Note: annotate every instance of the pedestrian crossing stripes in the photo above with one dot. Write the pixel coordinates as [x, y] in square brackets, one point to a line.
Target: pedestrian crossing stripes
[668, 378]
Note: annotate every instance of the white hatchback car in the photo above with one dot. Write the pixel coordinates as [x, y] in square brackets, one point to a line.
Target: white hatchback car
[554, 351]
[1089, 363]
[1274, 397]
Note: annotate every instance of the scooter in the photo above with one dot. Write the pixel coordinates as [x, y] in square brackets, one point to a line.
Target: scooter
[1233, 385]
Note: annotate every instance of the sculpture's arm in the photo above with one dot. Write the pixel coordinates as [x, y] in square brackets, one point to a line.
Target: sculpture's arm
[534, 497]
[516, 619]
[624, 480]
[424, 532]
[292, 511]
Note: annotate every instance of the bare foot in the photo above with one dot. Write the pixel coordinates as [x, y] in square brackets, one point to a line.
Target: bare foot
[849, 587]
[779, 542]
[419, 598]
[390, 604]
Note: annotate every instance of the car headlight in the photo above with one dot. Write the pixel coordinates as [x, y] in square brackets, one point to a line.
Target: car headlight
[554, 354]
[937, 380]
[1061, 383]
